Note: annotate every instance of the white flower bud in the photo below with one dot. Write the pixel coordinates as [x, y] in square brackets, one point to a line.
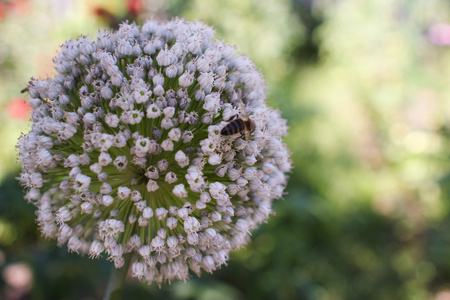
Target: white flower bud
[216, 216]
[89, 119]
[135, 196]
[162, 233]
[107, 200]
[241, 181]
[163, 164]
[250, 160]
[153, 111]
[233, 189]
[180, 191]
[205, 197]
[171, 222]
[207, 118]
[96, 249]
[158, 90]
[84, 159]
[138, 269]
[166, 123]
[229, 211]
[233, 174]
[106, 92]
[182, 159]
[112, 120]
[200, 204]
[142, 221]
[161, 213]
[152, 186]
[171, 177]
[104, 159]
[191, 225]
[210, 233]
[140, 205]
[192, 238]
[120, 162]
[123, 192]
[119, 141]
[221, 170]
[87, 208]
[171, 71]
[83, 182]
[186, 79]
[164, 58]
[183, 213]
[152, 173]
[147, 213]
[175, 134]
[241, 225]
[63, 215]
[132, 219]
[169, 112]
[172, 241]
[71, 117]
[187, 136]
[215, 159]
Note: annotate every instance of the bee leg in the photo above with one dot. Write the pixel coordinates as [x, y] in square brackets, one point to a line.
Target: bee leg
[245, 135]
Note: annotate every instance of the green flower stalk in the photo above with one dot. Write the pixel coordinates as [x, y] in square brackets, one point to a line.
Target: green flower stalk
[155, 141]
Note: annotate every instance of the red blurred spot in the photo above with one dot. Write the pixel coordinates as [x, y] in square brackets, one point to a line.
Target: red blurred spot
[18, 108]
[17, 7]
[107, 17]
[101, 12]
[135, 6]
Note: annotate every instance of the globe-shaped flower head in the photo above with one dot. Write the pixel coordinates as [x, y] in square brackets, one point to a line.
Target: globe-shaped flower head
[155, 141]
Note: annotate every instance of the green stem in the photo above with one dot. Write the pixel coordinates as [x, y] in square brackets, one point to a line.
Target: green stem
[117, 280]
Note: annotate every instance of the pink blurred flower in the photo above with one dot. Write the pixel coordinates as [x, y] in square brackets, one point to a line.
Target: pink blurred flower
[18, 109]
[439, 34]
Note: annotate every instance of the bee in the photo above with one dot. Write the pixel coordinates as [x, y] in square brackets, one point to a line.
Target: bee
[242, 125]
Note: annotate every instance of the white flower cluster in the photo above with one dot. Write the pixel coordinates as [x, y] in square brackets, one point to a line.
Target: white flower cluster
[126, 153]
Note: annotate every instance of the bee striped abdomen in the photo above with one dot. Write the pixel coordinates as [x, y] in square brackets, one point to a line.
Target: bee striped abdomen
[235, 126]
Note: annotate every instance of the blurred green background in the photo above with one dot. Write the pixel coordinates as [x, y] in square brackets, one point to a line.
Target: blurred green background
[366, 91]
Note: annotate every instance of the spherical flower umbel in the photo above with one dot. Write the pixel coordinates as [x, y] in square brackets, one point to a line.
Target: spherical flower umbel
[127, 153]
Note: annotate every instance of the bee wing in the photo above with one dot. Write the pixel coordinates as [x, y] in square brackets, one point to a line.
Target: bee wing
[243, 112]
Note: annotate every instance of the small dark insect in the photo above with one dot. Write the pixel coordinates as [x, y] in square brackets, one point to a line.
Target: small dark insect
[242, 125]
